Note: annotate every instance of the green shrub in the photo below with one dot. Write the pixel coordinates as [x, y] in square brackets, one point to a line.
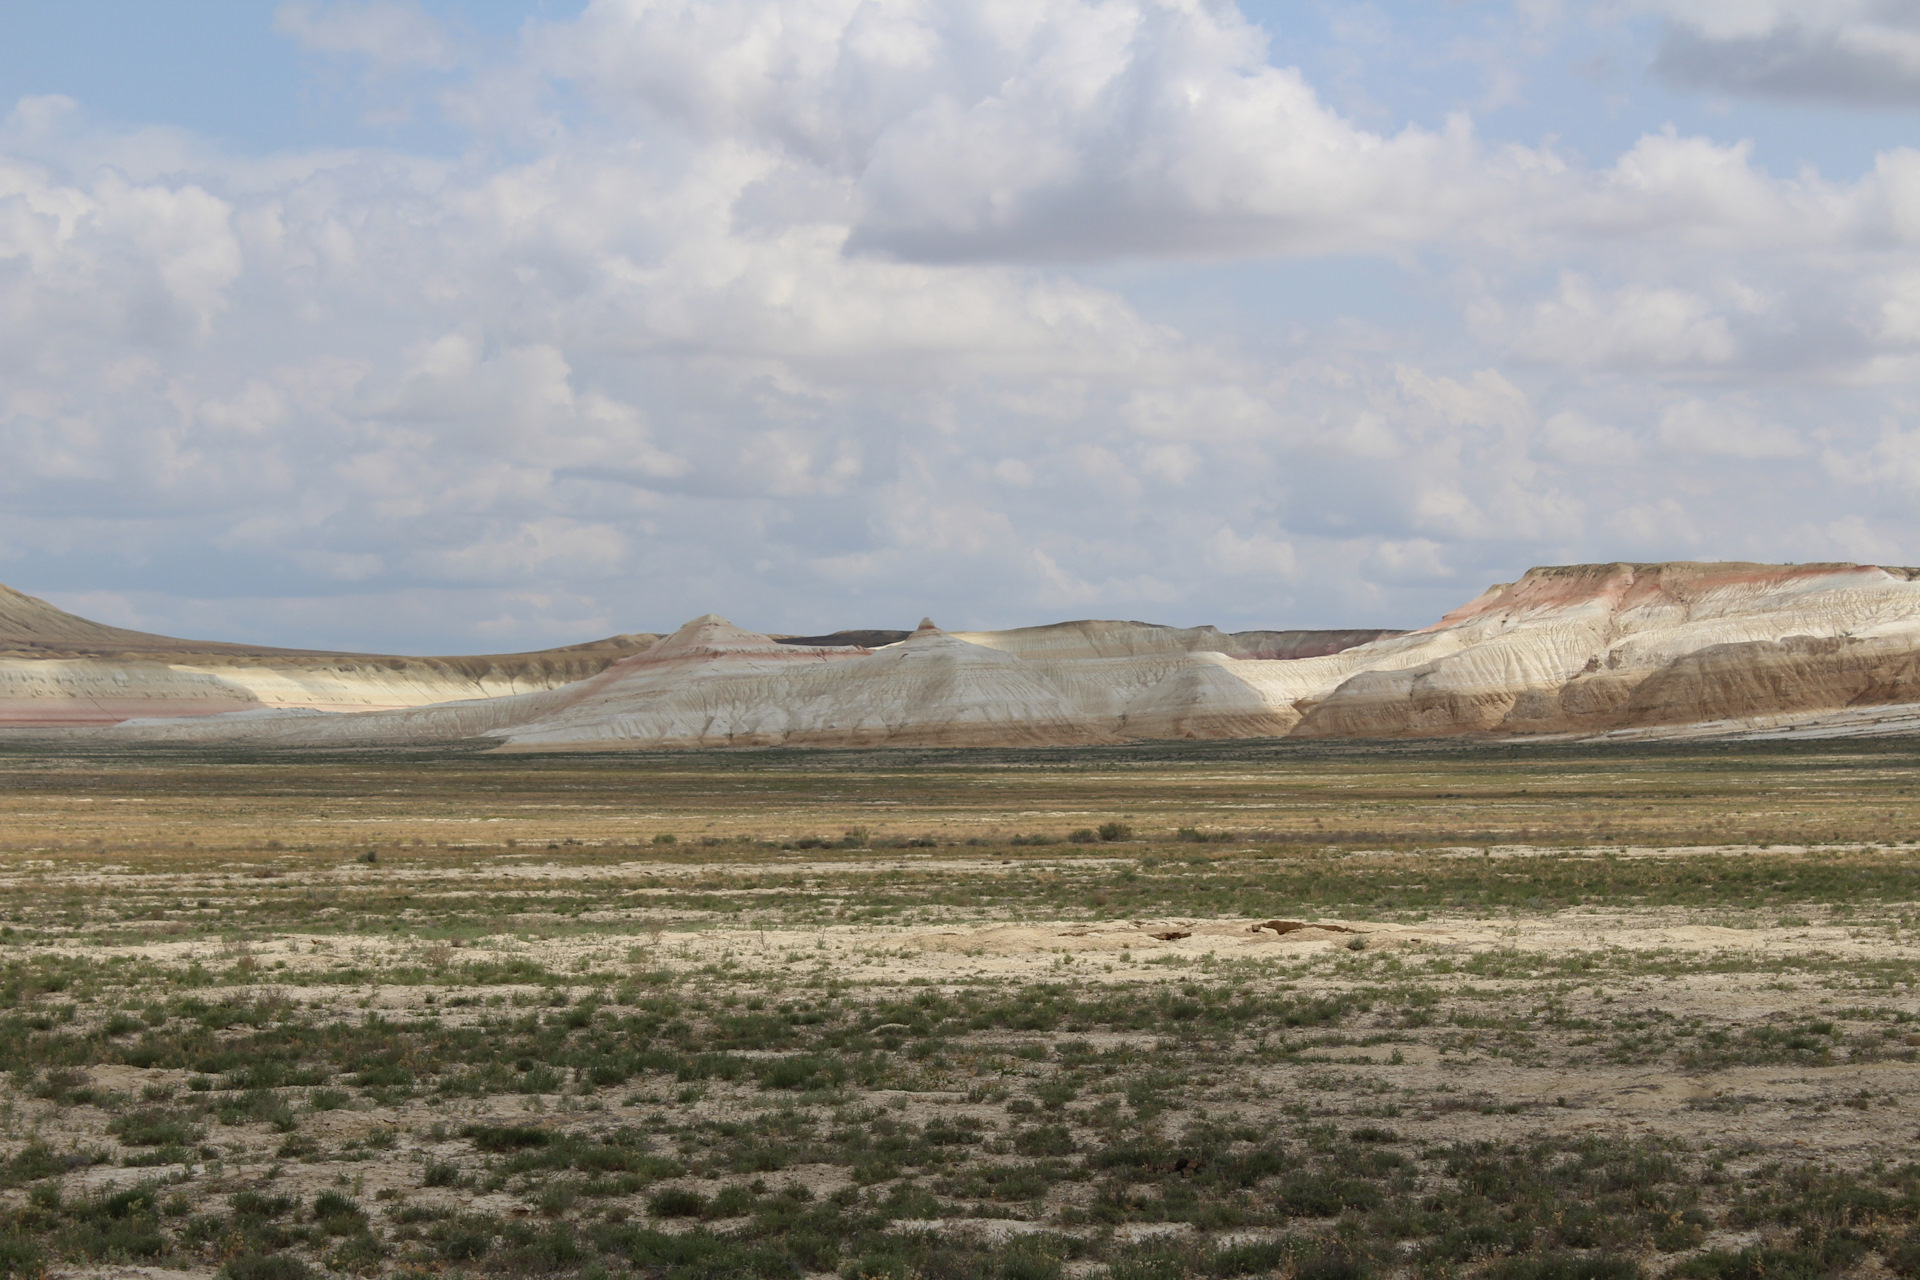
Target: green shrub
[1903, 1257]
[463, 1239]
[358, 1254]
[1044, 1140]
[1030, 1260]
[802, 1071]
[1322, 1195]
[266, 1266]
[252, 1204]
[1565, 1266]
[115, 1224]
[155, 1129]
[1332, 1265]
[731, 1202]
[37, 1160]
[20, 1256]
[879, 1266]
[677, 1202]
[510, 1137]
[1757, 1263]
[338, 1215]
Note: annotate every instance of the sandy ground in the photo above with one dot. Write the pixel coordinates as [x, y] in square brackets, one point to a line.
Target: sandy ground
[1521, 1042]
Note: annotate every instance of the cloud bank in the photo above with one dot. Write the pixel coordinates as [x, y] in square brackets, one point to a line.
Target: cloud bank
[830, 313]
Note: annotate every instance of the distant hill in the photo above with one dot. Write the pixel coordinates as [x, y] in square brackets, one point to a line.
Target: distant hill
[1623, 648]
[58, 668]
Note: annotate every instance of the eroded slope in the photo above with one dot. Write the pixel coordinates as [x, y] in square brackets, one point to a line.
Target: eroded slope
[59, 669]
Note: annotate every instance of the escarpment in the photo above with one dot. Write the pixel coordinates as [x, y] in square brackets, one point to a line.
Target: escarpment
[1579, 649]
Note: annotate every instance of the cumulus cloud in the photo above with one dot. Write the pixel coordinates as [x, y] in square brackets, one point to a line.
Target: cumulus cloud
[149, 262]
[1851, 52]
[1637, 326]
[1059, 130]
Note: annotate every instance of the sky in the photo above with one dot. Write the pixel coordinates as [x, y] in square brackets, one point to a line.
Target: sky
[441, 326]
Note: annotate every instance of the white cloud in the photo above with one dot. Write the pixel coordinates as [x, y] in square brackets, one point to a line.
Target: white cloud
[840, 310]
[1059, 130]
[1571, 437]
[1892, 460]
[149, 262]
[1415, 560]
[1014, 472]
[1725, 431]
[1252, 556]
[1638, 326]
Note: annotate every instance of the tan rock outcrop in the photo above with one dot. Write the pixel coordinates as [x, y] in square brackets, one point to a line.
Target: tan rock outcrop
[1591, 647]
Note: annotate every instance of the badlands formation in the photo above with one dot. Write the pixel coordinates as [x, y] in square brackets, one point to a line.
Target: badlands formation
[57, 669]
[1584, 649]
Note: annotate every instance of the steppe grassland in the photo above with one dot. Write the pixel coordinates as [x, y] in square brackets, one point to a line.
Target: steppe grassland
[1583, 1013]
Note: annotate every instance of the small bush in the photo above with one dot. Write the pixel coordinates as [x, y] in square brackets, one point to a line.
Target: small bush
[505, 1137]
[465, 1241]
[21, 1257]
[297, 1147]
[1044, 1140]
[554, 1249]
[37, 1160]
[1111, 832]
[115, 1224]
[1083, 835]
[338, 1215]
[1320, 1195]
[731, 1202]
[252, 1204]
[1562, 1266]
[1903, 1257]
[266, 1266]
[802, 1072]
[878, 1266]
[358, 1254]
[677, 1202]
[155, 1129]
[1746, 1264]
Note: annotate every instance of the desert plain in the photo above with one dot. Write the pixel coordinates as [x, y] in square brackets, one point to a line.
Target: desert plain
[1327, 1010]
